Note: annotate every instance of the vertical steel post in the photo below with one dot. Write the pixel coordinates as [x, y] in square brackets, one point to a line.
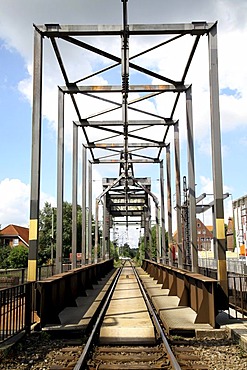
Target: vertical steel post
[90, 182]
[150, 246]
[36, 157]
[125, 91]
[74, 195]
[104, 231]
[220, 240]
[52, 235]
[60, 182]
[191, 183]
[96, 236]
[86, 250]
[178, 194]
[108, 248]
[169, 205]
[146, 252]
[162, 209]
[214, 234]
[157, 230]
[83, 205]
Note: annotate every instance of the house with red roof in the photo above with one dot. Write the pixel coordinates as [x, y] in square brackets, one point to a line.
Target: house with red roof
[14, 235]
[204, 235]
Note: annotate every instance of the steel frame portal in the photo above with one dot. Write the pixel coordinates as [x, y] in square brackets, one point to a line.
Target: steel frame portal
[124, 140]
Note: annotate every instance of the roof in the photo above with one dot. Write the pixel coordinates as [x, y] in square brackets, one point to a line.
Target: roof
[209, 227]
[15, 230]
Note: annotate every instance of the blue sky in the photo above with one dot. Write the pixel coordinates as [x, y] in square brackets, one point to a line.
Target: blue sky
[15, 117]
[16, 48]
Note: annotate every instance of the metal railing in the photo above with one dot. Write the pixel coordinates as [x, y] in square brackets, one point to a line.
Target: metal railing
[46, 271]
[18, 303]
[237, 288]
[16, 310]
[232, 264]
[12, 277]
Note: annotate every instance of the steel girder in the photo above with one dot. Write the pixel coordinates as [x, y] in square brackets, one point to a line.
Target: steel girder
[126, 154]
[77, 35]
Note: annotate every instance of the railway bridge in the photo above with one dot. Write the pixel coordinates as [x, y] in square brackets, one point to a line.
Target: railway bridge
[128, 137]
[134, 138]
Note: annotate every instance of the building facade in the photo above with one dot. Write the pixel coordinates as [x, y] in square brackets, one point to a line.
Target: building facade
[204, 236]
[13, 235]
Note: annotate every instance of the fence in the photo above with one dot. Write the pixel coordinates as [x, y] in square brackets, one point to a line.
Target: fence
[12, 277]
[16, 310]
[237, 288]
[233, 264]
[18, 303]
[237, 281]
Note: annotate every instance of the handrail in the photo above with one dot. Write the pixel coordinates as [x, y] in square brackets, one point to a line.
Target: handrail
[16, 310]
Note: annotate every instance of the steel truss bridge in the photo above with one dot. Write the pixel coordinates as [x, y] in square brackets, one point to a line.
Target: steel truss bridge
[124, 141]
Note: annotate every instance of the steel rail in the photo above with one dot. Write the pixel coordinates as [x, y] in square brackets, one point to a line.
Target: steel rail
[83, 358]
[174, 363]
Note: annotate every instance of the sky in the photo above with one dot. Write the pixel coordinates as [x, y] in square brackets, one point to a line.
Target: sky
[16, 59]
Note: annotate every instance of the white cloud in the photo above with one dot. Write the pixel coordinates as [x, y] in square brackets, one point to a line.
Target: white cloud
[15, 202]
[169, 60]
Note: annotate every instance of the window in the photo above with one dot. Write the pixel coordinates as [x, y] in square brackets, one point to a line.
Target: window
[199, 232]
[15, 242]
[198, 225]
[6, 241]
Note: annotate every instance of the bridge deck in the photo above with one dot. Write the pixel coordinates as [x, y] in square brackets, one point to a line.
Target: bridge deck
[78, 317]
[127, 320]
[175, 318]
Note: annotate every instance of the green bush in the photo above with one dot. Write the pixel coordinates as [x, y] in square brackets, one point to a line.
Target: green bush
[18, 257]
[4, 254]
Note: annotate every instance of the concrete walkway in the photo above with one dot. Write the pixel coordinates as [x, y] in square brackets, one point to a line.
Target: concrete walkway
[79, 317]
[180, 319]
[176, 319]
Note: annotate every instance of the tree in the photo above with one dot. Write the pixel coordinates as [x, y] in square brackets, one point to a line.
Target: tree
[114, 251]
[18, 257]
[67, 228]
[45, 230]
[151, 252]
[5, 251]
[45, 234]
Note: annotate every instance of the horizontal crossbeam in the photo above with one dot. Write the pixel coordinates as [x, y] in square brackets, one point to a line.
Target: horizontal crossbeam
[74, 89]
[157, 122]
[57, 30]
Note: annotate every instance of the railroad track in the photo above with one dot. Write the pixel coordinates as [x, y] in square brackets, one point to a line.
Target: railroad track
[127, 357]
[41, 350]
[92, 356]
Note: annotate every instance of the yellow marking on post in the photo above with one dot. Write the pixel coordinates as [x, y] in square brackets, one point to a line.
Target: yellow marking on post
[220, 228]
[222, 266]
[33, 230]
[32, 270]
[222, 275]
